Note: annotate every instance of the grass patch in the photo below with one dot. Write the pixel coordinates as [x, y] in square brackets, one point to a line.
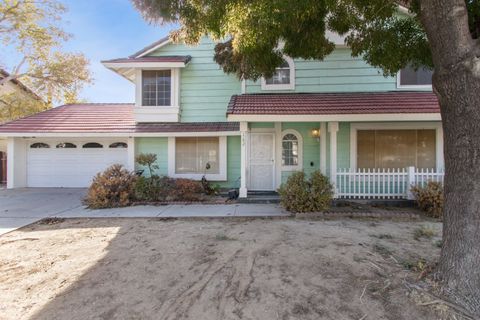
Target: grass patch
[423, 232]
[438, 243]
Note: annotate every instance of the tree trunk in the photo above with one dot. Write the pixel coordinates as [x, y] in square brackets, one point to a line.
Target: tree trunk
[456, 82]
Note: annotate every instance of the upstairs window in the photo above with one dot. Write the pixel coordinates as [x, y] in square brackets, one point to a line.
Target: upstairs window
[283, 78]
[409, 77]
[156, 87]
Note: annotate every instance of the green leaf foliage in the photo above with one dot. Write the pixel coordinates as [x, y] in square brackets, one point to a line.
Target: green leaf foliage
[298, 194]
[254, 35]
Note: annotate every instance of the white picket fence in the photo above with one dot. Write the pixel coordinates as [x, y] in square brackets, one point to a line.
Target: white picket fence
[382, 183]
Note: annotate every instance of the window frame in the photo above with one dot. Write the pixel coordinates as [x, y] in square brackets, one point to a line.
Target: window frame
[222, 159]
[171, 88]
[92, 145]
[437, 126]
[299, 166]
[70, 145]
[411, 86]
[290, 86]
[39, 145]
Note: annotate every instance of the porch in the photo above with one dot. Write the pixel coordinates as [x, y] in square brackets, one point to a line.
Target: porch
[364, 160]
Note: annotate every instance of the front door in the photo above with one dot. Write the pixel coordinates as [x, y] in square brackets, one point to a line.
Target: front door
[262, 161]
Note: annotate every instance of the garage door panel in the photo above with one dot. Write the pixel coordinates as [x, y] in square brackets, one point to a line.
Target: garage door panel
[51, 167]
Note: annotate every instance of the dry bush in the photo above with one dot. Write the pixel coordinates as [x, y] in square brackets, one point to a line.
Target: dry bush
[186, 190]
[115, 187]
[430, 198]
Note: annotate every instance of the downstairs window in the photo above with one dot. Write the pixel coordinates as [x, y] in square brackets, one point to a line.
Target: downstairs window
[192, 154]
[388, 149]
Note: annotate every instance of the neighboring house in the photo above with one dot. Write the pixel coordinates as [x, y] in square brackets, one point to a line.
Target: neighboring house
[10, 89]
[336, 115]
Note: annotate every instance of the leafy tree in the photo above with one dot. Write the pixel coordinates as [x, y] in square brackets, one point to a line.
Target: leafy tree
[31, 30]
[440, 34]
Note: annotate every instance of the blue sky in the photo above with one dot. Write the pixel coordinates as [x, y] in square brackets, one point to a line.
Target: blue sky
[107, 29]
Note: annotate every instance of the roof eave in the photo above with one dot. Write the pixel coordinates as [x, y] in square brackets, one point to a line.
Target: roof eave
[365, 117]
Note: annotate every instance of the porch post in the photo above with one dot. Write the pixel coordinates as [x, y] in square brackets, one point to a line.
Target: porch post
[243, 159]
[278, 154]
[131, 153]
[323, 147]
[332, 129]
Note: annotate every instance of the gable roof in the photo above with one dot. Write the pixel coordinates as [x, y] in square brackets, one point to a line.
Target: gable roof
[151, 47]
[4, 74]
[333, 103]
[102, 118]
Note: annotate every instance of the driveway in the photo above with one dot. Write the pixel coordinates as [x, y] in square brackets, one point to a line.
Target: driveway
[20, 207]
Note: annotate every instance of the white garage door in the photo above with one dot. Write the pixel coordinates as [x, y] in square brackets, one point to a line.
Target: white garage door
[72, 164]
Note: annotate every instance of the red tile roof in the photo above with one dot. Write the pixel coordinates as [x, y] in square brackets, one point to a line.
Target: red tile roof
[184, 59]
[334, 103]
[103, 118]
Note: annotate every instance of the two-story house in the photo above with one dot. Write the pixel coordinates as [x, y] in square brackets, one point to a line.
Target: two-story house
[340, 116]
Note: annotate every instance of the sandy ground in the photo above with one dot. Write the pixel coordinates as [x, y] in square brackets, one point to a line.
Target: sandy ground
[213, 269]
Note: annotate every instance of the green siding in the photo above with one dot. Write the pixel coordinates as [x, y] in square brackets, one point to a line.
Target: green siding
[311, 147]
[262, 125]
[339, 72]
[205, 89]
[233, 163]
[158, 146]
[343, 145]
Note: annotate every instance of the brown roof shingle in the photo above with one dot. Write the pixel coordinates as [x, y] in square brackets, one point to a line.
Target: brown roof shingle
[103, 118]
[334, 103]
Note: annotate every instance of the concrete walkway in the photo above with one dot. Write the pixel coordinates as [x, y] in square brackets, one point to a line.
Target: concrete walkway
[24, 206]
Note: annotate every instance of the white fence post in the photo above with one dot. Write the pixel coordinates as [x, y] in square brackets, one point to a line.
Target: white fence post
[410, 182]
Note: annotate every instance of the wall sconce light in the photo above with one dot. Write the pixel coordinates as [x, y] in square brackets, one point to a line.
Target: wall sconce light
[316, 134]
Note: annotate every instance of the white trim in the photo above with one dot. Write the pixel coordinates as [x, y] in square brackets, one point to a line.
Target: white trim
[278, 154]
[117, 134]
[335, 117]
[131, 153]
[323, 148]
[158, 46]
[333, 129]
[290, 86]
[141, 65]
[411, 86]
[243, 159]
[354, 127]
[300, 150]
[222, 158]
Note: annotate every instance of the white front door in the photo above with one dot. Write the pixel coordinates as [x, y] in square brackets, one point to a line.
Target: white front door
[262, 162]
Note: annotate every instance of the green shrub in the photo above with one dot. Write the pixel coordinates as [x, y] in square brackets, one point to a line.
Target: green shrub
[115, 187]
[150, 188]
[430, 198]
[148, 160]
[300, 195]
[321, 191]
[163, 188]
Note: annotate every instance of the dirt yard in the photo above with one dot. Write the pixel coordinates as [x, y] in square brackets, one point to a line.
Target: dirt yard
[215, 269]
